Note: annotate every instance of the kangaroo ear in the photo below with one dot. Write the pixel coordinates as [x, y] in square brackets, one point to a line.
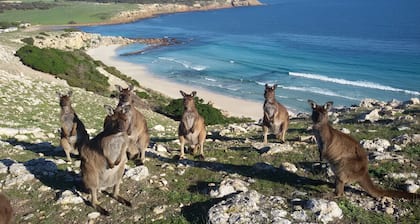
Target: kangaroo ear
[312, 104]
[193, 93]
[59, 94]
[328, 105]
[130, 87]
[266, 85]
[70, 93]
[118, 87]
[182, 93]
[109, 110]
[274, 86]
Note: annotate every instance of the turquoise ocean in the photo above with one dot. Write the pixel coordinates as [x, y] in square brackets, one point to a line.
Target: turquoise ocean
[325, 50]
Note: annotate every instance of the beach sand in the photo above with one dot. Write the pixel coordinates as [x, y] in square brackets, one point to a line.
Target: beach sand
[231, 105]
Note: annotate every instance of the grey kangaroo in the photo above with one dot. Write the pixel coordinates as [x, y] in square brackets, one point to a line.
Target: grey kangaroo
[103, 159]
[348, 160]
[73, 132]
[276, 116]
[138, 132]
[191, 129]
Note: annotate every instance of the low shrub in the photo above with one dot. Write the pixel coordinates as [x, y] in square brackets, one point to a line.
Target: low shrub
[76, 67]
[211, 115]
[143, 95]
[28, 40]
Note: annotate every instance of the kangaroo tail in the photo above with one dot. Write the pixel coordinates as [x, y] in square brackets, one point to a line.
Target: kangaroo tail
[367, 184]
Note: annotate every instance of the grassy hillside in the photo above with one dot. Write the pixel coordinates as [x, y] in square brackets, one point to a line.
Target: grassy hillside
[66, 13]
[182, 188]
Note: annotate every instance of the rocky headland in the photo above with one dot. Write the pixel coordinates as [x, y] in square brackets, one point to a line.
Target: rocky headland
[151, 10]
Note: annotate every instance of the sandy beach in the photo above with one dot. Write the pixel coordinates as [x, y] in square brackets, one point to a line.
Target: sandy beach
[231, 105]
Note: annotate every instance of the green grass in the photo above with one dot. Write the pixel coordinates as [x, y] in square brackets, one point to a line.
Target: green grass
[67, 12]
[234, 156]
[356, 214]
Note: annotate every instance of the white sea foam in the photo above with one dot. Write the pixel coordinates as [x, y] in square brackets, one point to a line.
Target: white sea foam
[198, 67]
[363, 84]
[312, 90]
[186, 64]
[317, 90]
[210, 79]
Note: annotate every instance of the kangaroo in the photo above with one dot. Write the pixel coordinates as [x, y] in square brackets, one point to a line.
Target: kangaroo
[137, 131]
[191, 128]
[6, 210]
[348, 160]
[104, 157]
[73, 132]
[276, 116]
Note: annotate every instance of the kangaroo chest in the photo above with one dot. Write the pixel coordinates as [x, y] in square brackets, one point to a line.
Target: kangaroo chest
[67, 120]
[270, 110]
[189, 119]
[111, 176]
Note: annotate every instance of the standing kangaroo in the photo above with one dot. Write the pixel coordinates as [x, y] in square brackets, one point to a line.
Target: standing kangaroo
[137, 130]
[73, 132]
[348, 160]
[276, 116]
[191, 128]
[104, 157]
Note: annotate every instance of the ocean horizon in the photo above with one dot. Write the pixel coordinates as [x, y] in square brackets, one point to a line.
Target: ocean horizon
[332, 50]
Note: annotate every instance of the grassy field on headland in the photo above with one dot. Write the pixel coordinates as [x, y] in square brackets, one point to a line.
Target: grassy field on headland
[64, 12]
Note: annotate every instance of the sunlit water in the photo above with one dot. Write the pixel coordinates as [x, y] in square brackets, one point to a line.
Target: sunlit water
[336, 50]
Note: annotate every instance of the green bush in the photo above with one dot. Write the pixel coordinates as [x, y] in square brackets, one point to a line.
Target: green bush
[5, 24]
[28, 40]
[211, 115]
[143, 95]
[76, 67]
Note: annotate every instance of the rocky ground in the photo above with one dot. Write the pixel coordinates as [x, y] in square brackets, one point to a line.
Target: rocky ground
[240, 181]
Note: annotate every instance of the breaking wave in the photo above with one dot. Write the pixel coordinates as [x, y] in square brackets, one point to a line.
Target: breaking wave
[363, 84]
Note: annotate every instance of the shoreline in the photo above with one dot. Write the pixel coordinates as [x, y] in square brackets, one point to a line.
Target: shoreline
[231, 105]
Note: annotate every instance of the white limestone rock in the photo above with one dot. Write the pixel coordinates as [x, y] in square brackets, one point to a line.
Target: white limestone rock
[137, 173]
[229, 186]
[325, 211]
[376, 144]
[289, 167]
[249, 207]
[159, 128]
[69, 197]
[372, 116]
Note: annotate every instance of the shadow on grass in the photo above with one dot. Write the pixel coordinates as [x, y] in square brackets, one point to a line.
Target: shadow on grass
[162, 139]
[45, 148]
[198, 212]
[46, 170]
